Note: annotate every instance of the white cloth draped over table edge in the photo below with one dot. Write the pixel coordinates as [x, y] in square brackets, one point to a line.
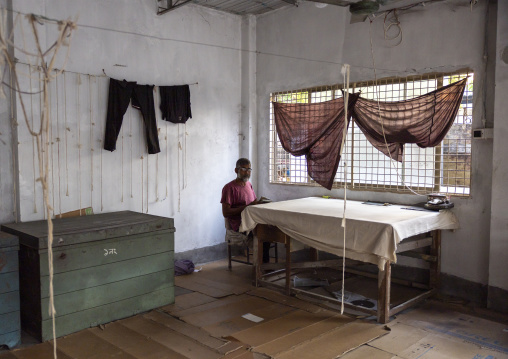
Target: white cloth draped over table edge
[372, 232]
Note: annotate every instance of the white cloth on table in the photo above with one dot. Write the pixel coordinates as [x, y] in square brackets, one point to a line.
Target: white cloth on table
[373, 232]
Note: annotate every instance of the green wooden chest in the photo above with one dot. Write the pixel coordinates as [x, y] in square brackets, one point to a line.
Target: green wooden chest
[10, 329]
[106, 267]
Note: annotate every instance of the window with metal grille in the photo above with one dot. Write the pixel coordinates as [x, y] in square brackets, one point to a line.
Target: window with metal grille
[445, 168]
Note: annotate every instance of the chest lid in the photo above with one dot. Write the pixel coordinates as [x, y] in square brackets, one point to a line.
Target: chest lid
[67, 231]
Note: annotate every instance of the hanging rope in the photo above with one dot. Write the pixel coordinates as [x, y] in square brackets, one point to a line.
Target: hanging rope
[185, 155]
[50, 147]
[157, 105]
[121, 168]
[157, 177]
[91, 139]
[179, 149]
[58, 148]
[67, 129]
[167, 162]
[78, 117]
[42, 127]
[379, 115]
[101, 143]
[393, 21]
[46, 61]
[147, 182]
[13, 124]
[142, 184]
[33, 142]
[345, 72]
[130, 135]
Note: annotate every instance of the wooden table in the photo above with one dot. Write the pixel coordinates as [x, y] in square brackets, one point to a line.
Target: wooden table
[298, 219]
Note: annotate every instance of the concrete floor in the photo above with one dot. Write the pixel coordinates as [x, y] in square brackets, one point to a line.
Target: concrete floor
[438, 328]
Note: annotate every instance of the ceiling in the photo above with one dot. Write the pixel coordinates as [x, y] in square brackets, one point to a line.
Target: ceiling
[257, 7]
[238, 7]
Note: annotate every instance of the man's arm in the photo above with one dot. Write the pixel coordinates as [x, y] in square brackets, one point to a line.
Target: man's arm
[227, 211]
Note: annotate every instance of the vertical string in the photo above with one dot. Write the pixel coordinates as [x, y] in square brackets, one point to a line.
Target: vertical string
[131, 156]
[91, 139]
[67, 129]
[185, 155]
[78, 117]
[147, 182]
[121, 167]
[142, 189]
[157, 177]
[50, 145]
[157, 105]
[58, 147]
[33, 140]
[167, 161]
[381, 120]
[13, 150]
[345, 72]
[141, 148]
[101, 142]
[179, 173]
[42, 158]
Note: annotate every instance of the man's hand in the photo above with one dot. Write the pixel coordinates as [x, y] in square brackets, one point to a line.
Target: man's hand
[227, 211]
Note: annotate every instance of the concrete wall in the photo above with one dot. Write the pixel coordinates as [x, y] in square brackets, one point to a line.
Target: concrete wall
[498, 278]
[233, 64]
[8, 192]
[306, 46]
[192, 45]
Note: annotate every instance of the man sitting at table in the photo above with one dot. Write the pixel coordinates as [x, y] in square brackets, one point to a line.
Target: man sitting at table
[237, 195]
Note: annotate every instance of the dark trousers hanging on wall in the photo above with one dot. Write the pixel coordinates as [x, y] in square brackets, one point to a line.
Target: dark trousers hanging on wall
[121, 93]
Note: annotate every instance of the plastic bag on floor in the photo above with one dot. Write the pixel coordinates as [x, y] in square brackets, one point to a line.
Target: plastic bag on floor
[183, 266]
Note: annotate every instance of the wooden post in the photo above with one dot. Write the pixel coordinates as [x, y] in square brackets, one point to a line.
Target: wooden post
[435, 267]
[383, 298]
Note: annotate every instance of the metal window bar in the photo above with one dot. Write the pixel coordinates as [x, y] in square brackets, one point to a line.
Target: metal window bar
[445, 168]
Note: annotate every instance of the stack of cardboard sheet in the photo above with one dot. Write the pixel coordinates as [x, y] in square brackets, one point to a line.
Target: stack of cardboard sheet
[267, 324]
[217, 314]
[435, 331]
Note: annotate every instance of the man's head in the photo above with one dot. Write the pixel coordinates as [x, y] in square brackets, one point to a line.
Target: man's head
[243, 169]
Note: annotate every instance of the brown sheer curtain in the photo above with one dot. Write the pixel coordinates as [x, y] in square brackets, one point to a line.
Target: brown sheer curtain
[424, 120]
[314, 130]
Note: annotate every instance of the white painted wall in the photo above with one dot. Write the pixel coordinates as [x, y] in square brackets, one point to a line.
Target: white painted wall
[288, 49]
[8, 192]
[499, 219]
[306, 46]
[187, 46]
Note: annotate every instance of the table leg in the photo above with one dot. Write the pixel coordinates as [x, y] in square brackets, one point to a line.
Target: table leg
[229, 255]
[288, 265]
[258, 259]
[383, 300]
[314, 255]
[435, 267]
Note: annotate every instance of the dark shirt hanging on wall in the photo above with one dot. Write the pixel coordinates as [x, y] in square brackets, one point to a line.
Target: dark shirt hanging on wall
[175, 103]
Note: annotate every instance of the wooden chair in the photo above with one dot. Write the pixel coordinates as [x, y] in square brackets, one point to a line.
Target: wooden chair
[234, 238]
